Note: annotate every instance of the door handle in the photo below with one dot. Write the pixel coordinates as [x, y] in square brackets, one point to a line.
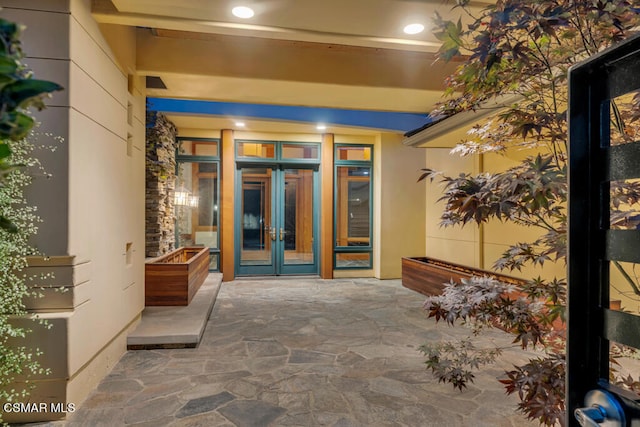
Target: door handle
[602, 409]
[272, 232]
[590, 417]
[282, 233]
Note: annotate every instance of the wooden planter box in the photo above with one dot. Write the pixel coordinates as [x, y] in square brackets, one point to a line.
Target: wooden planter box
[428, 275]
[174, 278]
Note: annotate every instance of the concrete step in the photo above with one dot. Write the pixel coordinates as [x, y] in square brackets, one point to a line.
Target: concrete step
[176, 326]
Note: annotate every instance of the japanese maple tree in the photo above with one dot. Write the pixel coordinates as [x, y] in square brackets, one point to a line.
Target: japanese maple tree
[521, 51]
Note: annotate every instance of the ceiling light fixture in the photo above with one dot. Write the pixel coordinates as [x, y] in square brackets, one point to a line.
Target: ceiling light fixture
[321, 127]
[240, 124]
[414, 28]
[243, 12]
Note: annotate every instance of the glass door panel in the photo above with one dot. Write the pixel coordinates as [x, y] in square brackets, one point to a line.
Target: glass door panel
[298, 217]
[277, 221]
[256, 231]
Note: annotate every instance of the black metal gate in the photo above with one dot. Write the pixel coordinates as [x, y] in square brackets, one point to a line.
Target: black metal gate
[594, 245]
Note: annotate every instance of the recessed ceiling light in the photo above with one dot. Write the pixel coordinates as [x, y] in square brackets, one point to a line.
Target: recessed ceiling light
[321, 127]
[242, 12]
[240, 124]
[414, 28]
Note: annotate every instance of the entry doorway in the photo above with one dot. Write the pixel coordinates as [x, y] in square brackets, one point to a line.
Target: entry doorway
[277, 220]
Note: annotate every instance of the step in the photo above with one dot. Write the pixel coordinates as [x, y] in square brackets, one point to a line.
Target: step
[176, 326]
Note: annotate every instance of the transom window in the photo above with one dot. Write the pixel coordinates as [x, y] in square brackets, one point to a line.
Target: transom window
[277, 151]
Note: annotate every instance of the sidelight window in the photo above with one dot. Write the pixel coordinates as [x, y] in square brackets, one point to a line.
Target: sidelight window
[353, 206]
[197, 196]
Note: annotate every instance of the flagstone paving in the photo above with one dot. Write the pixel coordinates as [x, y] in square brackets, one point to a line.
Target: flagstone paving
[303, 352]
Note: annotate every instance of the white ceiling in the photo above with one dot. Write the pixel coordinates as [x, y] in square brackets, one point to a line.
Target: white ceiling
[323, 53]
[371, 23]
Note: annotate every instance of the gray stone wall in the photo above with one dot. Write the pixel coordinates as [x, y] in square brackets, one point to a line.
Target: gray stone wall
[160, 182]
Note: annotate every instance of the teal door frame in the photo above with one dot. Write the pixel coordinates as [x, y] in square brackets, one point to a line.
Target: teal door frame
[277, 265]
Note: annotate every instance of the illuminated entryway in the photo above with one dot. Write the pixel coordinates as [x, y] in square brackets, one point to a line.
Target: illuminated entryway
[277, 211]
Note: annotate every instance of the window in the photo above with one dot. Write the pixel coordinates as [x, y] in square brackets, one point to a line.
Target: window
[353, 153]
[353, 202]
[197, 196]
[352, 260]
[253, 151]
[353, 207]
[260, 150]
[300, 151]
[198, 147]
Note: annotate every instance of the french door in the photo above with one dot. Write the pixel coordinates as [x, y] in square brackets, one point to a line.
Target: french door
[277, 220]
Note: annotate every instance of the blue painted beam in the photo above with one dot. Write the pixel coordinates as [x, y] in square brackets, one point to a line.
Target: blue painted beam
[390, 121]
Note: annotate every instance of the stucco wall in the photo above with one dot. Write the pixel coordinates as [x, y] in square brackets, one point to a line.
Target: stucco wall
[477, 246]
[498, 236]
[455, 244]
[401, 208]
[93, 207]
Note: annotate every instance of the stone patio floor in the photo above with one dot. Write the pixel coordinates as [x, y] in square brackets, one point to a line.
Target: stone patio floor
[303, 352]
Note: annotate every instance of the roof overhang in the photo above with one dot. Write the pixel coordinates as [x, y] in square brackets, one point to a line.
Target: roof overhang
[422, 136]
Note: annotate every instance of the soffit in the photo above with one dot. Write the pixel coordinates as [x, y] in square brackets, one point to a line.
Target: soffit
[376, 23]
[337, 54]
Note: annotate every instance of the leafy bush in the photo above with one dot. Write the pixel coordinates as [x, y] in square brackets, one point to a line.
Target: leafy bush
[18, 221]
[18, 91]
[15, 359]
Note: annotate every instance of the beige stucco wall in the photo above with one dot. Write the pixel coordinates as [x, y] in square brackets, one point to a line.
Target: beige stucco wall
[455, 244]
[93, 207]
[498, 236]
[400, 213]
[477, 246]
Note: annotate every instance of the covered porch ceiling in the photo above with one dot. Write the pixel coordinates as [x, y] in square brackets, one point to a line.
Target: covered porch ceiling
[331, 54]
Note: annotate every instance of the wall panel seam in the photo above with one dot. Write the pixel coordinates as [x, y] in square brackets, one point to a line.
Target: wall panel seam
[98, 83]
[123, 139]
[36, 10]
[110, 57]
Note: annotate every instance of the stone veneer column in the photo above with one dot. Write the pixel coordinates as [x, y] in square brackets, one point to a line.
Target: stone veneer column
[160, 185]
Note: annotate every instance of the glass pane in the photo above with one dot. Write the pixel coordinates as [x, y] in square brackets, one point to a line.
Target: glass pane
[624, 114]
[256, 238]
[213, 262]
[625, 369]
[353, 260]
[297, 151]
[298, 216]
[206, 149]
[256, 149]
[353, 153]
[625, 204]
[353, 220]
[624, 287]
[196, 204]
[198, 148]
[185, 146]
